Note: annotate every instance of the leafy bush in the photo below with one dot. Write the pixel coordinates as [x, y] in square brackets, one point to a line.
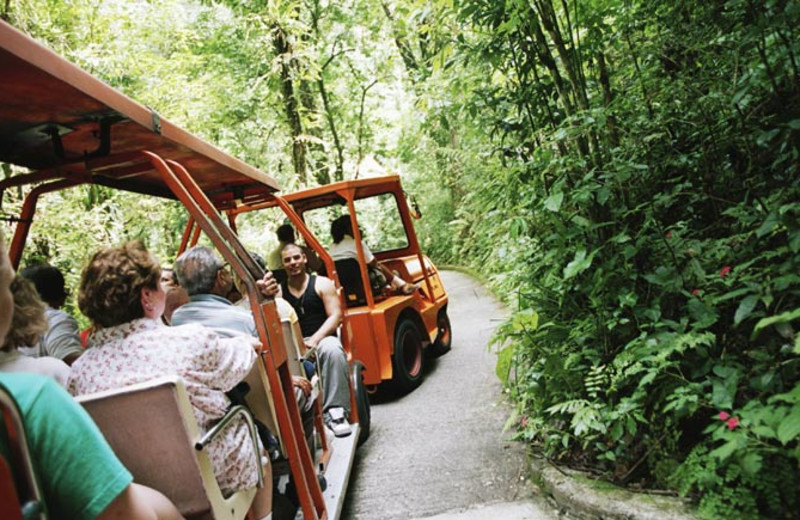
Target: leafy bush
[657, 290]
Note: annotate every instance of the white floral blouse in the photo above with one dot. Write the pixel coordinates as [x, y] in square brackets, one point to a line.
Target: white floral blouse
[144, 349]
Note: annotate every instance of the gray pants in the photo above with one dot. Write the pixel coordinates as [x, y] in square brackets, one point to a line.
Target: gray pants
[333, 367]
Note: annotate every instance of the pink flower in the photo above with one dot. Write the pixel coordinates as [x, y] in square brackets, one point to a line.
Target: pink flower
[524, 422]
[723, 416]
[725, 271]
[732, 423]
[695, 292]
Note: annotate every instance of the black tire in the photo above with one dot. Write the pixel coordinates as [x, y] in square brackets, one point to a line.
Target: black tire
[407, 358]
[362, 402]
[444, 338]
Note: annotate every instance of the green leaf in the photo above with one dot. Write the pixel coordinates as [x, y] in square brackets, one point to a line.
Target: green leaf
[503, 366]
[553, 202]
[745, 308]
[723, 391]
[780, 318]
[702, 315]
[726, 450]
[789, 428]
[579, 264]
[751, 463]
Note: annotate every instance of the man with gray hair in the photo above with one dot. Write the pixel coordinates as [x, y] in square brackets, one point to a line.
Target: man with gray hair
[208, 280]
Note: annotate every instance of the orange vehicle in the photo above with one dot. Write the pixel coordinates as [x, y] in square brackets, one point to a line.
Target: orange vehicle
[389, 333]
[69, 129]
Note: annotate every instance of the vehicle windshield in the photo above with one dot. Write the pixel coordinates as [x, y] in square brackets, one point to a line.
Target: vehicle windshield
[378, 217]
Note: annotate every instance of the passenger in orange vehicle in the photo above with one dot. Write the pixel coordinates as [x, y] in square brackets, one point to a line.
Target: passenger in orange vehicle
[121, 293]
[344, 246]
[317, 306]
[27, 326]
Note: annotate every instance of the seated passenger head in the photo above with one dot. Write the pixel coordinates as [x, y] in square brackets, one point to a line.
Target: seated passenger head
[201, 271]
[49, 282]
[168, 278]
[28, 322]
[121, 284]
[285, 234]
[293, 258]
[341, 227]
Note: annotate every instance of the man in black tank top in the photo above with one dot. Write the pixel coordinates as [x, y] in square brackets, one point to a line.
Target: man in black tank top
[319, 311]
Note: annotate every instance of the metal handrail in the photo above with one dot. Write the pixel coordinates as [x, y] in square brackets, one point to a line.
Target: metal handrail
[215, 430]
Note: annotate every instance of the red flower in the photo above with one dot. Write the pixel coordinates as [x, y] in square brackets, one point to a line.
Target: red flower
[669, 234]
[725, 271]
[695, 291]
[732, 423]
[723, 416]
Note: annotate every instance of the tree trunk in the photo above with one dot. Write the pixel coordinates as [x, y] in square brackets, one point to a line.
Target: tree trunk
[284, 52]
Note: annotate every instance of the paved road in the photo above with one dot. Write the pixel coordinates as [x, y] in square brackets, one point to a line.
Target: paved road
[439, 453]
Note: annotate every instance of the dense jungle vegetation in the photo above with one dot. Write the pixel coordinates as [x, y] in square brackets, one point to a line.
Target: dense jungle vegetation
[624, 172]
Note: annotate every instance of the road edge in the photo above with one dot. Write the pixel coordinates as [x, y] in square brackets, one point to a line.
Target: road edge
[591, 499]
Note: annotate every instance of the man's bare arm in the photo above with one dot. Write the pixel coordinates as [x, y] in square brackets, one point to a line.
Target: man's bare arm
[327, 291]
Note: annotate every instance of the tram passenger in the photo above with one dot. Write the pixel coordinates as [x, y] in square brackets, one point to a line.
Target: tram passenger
[62, 339]
[208, 280]
[81, 477]
[315, 301]
[27, 326]
[121, 293]
[176, 295]
[286, 236]
[344, 246]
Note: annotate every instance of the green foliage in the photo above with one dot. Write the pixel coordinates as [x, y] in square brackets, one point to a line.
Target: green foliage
[654, 234]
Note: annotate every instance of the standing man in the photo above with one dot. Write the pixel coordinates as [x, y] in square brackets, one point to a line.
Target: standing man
[62, 339]
[317, 305]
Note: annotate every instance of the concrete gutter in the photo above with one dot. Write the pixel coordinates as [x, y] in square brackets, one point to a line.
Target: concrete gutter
[590, 499]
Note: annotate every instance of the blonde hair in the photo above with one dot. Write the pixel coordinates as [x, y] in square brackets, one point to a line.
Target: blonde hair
[28, 322]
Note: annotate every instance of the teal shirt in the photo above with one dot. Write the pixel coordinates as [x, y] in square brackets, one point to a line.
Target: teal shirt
[78, 472]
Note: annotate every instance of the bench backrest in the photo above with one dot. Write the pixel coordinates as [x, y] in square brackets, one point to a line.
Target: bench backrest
[152, 429]
[349, 273]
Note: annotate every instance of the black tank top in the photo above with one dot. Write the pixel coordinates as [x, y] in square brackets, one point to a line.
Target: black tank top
[309, 307]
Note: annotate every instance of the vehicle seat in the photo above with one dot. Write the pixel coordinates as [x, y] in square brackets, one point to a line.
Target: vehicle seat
[350, 277]
[152, 429]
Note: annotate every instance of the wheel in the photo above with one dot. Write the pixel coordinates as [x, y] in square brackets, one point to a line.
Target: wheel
[362, 402]
[407, 357]
[444, 338]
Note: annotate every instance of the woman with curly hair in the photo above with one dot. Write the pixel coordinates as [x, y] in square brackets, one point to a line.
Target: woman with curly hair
[28, 323]
[120, 291]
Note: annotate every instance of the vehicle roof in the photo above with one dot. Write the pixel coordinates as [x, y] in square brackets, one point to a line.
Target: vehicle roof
[60, 120]
[334, 194]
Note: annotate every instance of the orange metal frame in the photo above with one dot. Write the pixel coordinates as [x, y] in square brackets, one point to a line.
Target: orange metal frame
[205, 217]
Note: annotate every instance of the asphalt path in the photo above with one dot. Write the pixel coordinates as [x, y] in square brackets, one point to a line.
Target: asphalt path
[440, 453]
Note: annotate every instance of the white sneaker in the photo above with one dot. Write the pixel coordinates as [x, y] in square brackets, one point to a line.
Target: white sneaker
[336, 421]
